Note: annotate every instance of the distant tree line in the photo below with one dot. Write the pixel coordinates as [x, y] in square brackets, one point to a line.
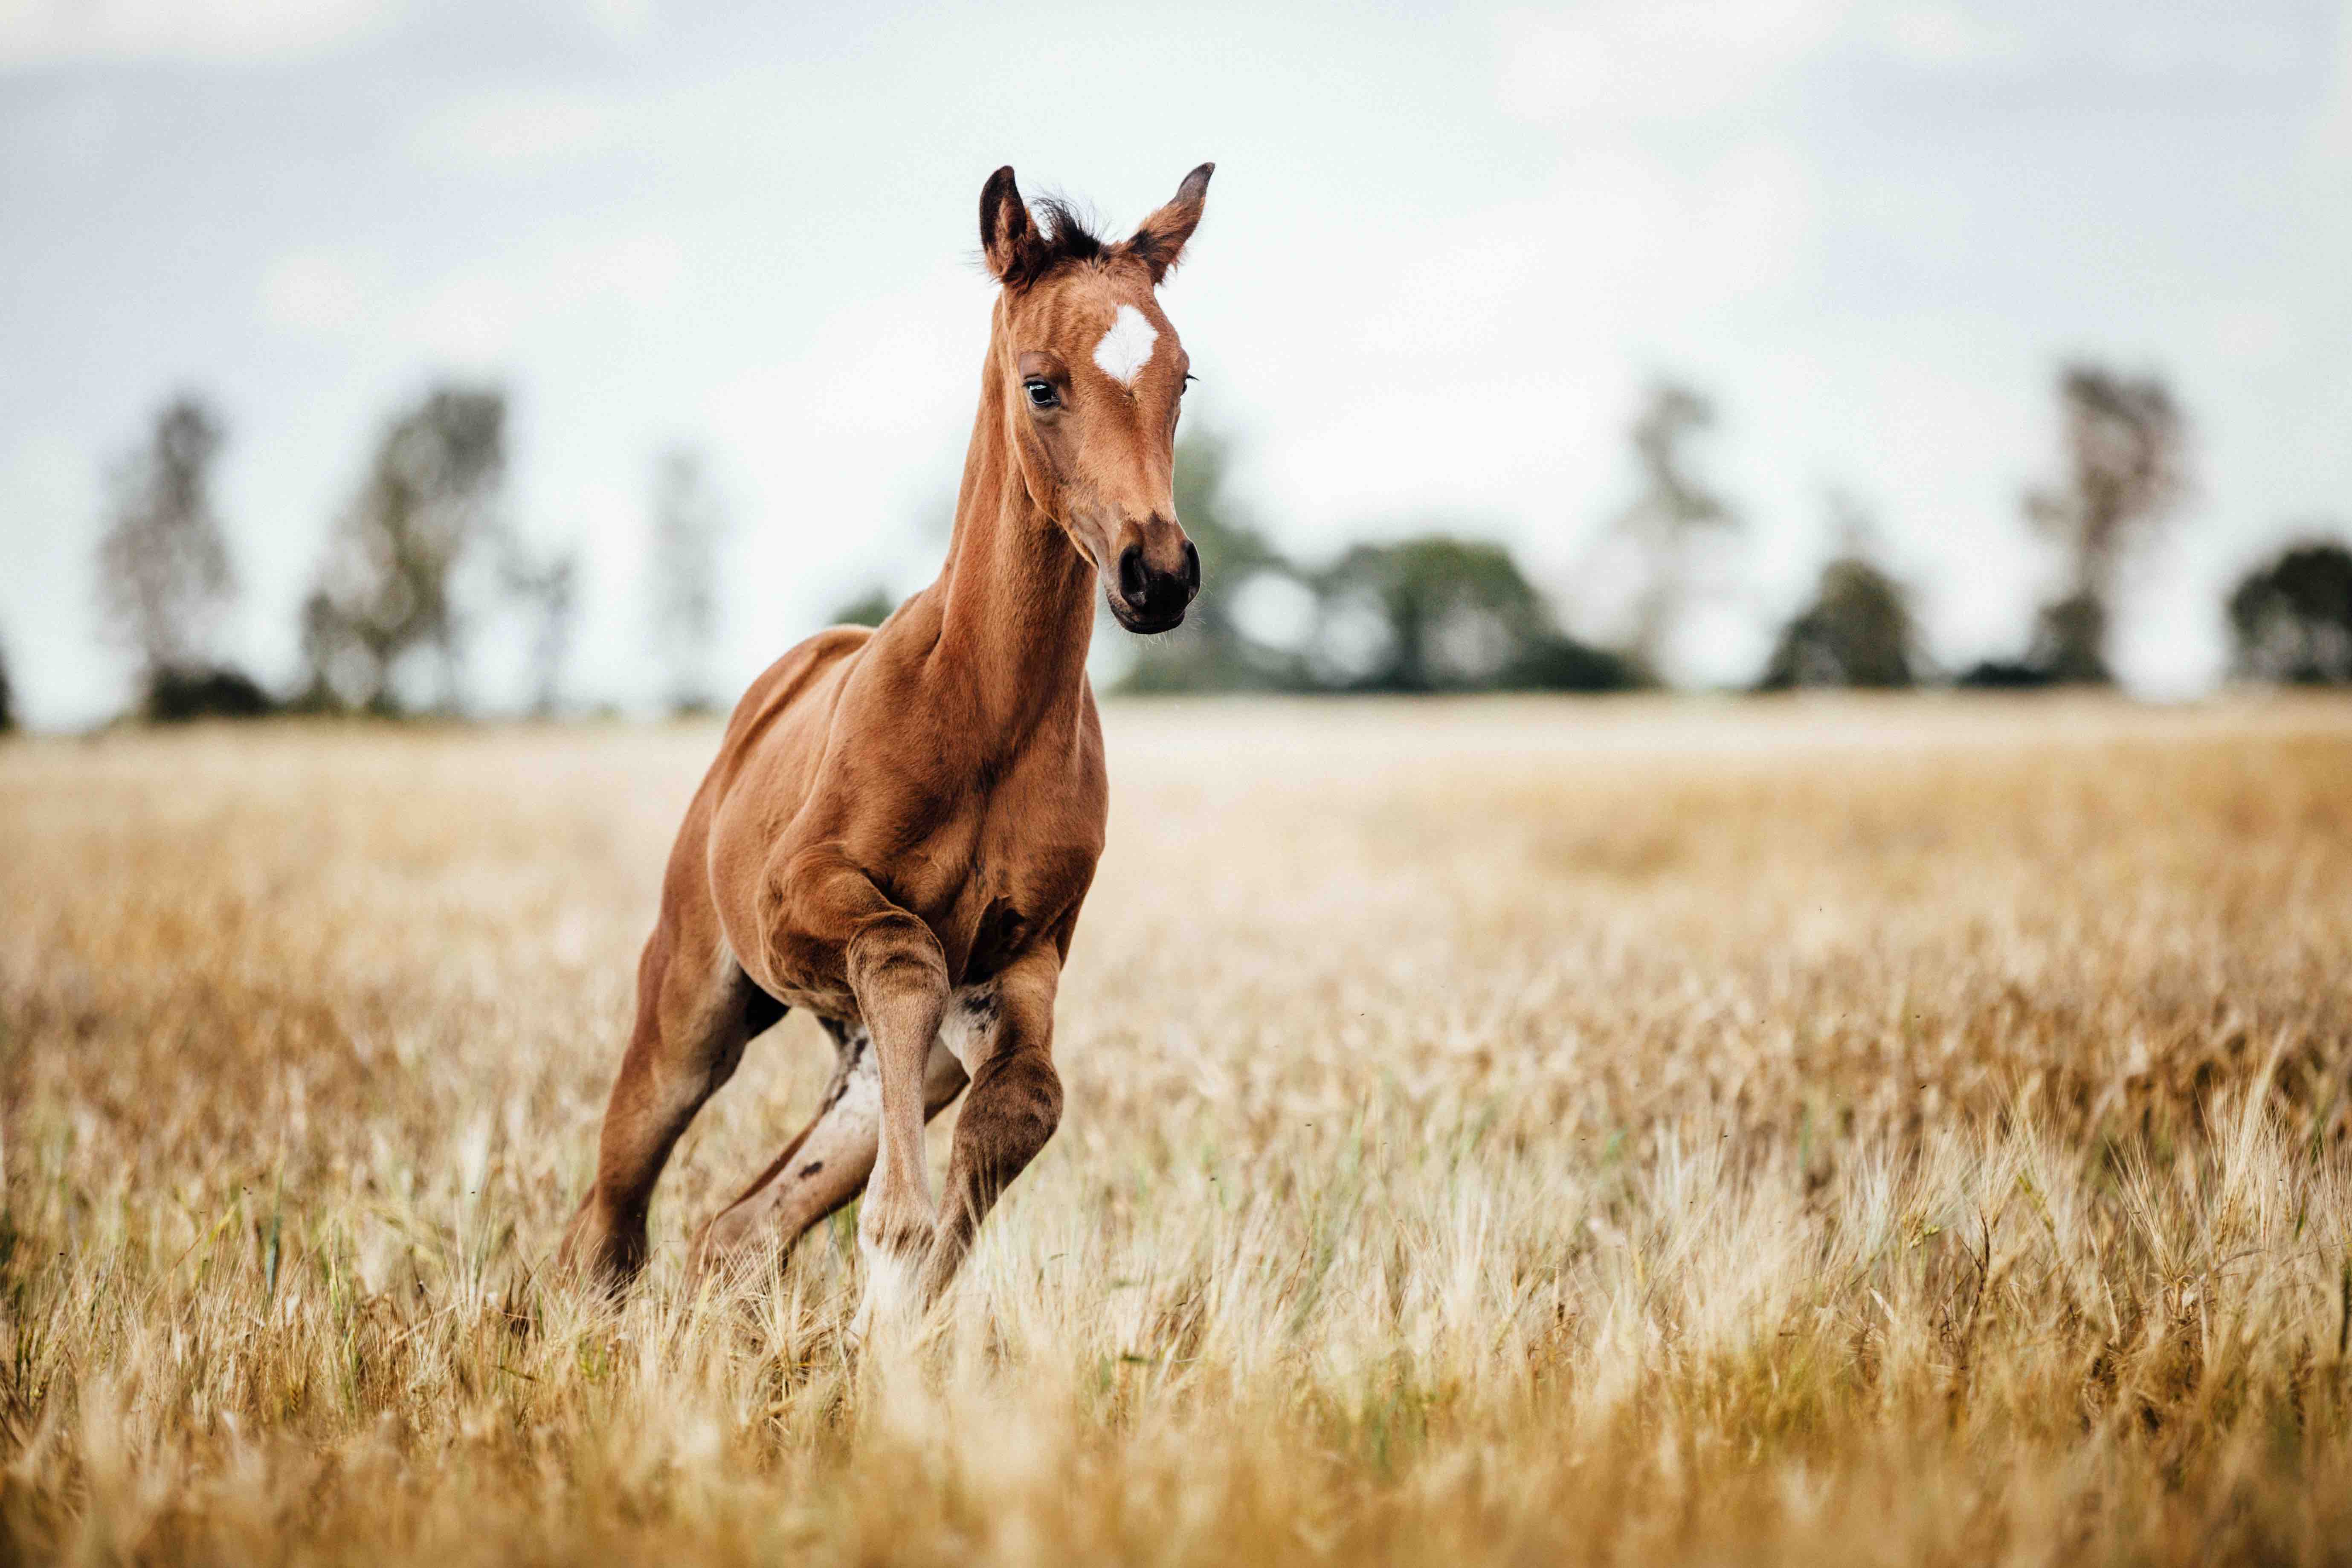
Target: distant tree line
[388, 616]
[422, 554]
[1435, 612]
[425, 552]
[2123, 442]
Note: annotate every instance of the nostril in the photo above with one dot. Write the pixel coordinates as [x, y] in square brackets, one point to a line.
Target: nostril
[1132, 578]
[1191, 570]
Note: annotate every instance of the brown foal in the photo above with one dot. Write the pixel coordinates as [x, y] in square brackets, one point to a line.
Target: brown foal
[901, 823]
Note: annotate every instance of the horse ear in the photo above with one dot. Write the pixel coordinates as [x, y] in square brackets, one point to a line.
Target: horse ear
[1160, 239]
[1007, 238]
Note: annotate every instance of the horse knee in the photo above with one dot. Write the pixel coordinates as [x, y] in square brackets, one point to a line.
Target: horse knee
[723, 1055]
[1017, 1104]
[892, 955]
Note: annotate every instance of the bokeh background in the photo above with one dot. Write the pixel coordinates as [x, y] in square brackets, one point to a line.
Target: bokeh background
[1612, 1131]
[582, 356]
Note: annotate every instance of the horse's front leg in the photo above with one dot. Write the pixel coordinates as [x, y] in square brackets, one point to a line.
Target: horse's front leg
[1012, 1109]
[899, 976]
[901, 980]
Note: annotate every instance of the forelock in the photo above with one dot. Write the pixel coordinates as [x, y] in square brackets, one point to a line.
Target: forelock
[1065, 238]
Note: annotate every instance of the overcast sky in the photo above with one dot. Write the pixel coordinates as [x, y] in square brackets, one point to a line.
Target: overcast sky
[1445, 249]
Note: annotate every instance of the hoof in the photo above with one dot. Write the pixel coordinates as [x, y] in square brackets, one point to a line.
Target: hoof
[600, 1256]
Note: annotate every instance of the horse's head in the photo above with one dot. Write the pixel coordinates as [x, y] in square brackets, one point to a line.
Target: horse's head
[1092, 379]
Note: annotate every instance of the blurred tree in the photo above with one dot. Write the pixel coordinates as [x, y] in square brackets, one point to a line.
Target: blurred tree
[1211, 651]
[163, 574]
[687, 525]
[387, 587]
[2070, 640]
[2292, 619]
[8, 695]
[2123, 442]
[1673, 509]
[1438, 614]
[870, 608]
[548, 587]
[1858, 631]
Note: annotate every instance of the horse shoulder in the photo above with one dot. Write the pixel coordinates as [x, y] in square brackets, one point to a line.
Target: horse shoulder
[766, 768]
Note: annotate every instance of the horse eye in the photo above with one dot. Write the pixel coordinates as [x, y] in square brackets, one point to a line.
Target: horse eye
[1040, 392]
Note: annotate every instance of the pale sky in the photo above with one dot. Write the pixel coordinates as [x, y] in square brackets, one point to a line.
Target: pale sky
[1445, 249]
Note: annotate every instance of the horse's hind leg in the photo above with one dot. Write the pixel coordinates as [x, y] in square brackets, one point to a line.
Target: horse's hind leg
[829, 1163]
[696, 1011]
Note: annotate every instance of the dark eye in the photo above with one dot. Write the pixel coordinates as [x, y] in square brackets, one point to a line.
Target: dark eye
[1040, 392]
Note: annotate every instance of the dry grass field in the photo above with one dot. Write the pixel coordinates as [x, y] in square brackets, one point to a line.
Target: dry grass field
[1545, 1132]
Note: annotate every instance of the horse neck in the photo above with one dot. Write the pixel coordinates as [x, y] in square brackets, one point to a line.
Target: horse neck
[1017, 600]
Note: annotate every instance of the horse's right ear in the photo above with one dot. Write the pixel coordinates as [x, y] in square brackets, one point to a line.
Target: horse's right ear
[1007, 238]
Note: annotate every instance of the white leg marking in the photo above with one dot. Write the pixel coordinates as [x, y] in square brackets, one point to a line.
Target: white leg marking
[889, 1293]
[968, 1023]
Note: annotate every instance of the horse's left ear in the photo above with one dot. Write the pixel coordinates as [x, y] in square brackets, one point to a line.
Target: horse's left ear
[1160, 239]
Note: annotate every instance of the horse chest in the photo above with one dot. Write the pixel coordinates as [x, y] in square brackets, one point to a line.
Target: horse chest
[1002, 904]
[1002, 873]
